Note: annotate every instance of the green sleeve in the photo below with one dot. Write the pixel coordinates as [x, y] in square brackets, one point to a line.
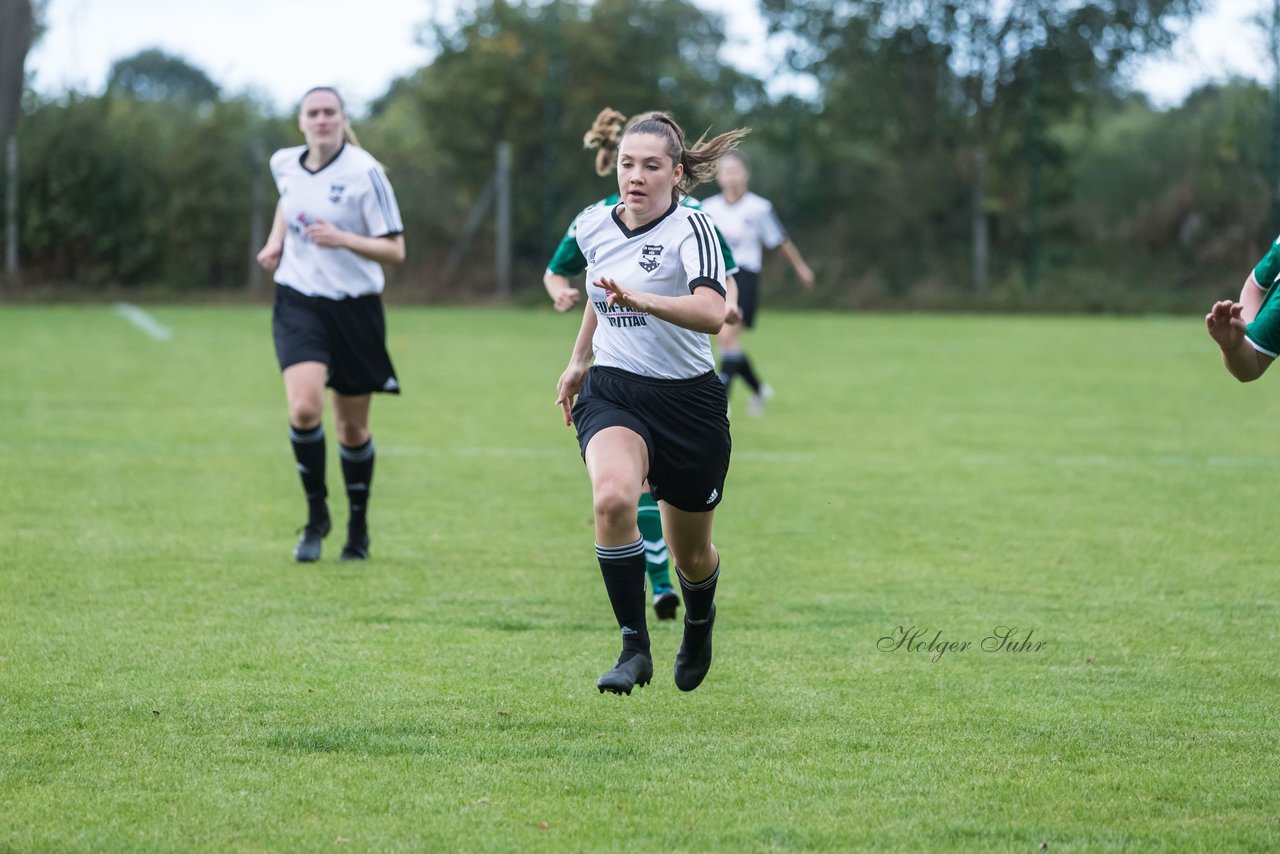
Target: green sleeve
[729, 263]
[568, 259]
[1269, 267]
[1264, 331]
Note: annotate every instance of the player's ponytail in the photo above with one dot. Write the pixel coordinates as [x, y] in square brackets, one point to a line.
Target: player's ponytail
[604, 135]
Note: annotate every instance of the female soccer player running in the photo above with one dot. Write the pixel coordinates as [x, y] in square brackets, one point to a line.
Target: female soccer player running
[568, 261]
[651, 405]
[336, 224]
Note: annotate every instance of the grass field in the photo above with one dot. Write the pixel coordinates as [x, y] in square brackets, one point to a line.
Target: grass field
[170, 679]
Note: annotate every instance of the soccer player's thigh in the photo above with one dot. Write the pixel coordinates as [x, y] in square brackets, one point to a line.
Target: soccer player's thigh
[304, 391]
[688, 536]
[617, 461]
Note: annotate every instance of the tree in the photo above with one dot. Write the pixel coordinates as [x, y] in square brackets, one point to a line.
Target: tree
[153, 75]
[497, 77]
[17, 30]
[989, 47]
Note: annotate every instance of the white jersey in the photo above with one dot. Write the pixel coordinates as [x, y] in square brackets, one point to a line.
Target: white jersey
[671, 256]
[353, 193]
[750, 226]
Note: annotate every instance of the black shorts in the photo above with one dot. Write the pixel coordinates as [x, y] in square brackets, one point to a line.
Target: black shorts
[685, 424]
[748, 295]
[349, 335]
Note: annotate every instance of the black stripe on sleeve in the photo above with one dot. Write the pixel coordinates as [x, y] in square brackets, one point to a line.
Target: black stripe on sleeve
[384, 200]
[708, 257]
[704, 282]
[702, 255]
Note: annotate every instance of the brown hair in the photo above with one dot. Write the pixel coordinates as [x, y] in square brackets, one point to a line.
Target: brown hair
[604, 135]
[699, 160]
[347, 133]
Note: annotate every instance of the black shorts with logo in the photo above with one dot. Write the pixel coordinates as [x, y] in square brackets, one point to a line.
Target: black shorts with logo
[684, 423]
[349, 335]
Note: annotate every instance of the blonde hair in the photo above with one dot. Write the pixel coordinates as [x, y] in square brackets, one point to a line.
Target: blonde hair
[347, 133]
[699, 160]
[604, 135]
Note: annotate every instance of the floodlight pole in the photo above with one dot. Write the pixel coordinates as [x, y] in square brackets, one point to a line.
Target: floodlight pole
[1033, 154]
[11, 209]
[502, 188]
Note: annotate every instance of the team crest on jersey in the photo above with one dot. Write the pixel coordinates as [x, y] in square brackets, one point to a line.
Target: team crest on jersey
[650, 257]
[335, 192]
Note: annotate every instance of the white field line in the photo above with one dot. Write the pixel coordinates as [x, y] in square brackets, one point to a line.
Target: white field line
[1105, 461]
[552, 453]
[143, 321]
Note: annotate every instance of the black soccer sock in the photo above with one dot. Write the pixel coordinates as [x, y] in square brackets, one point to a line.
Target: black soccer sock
[698, 596]
[730, 365]
[308, 451]
[748, 373]
[357, 472]
[623, 571]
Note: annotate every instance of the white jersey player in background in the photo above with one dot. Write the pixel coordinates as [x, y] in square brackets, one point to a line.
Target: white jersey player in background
[651, 405]
[750, 225]
[336, 224]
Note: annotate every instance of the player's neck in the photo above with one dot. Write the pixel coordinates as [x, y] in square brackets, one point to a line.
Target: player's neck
[320, 156]
[732, 196]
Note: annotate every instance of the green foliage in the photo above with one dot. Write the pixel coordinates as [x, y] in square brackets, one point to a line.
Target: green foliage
[535, 75]
[1190, 181]
[153, 75]
[162, 194]
[875, 178]
[170, 680]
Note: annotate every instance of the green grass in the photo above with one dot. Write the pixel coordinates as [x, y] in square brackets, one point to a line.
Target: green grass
[170, 679]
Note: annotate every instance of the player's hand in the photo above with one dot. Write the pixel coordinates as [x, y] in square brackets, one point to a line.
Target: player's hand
[566, 299]
[1225, 324]
[326, 234]
[806, 277]
[732, 314]
[621, 295]
[567, 389]
[269, 257]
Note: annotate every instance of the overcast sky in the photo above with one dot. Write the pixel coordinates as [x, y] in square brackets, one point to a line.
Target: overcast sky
[280, 48]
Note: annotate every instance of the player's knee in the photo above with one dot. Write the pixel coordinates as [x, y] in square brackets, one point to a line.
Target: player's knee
[351, 434]
[696, 561]
[614, 507]
[306, 414]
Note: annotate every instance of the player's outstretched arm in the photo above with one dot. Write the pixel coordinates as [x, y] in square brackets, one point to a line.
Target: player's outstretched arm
[388, 249]
[702, 311]
[575, 374]
[1226, 327]
[798, 263]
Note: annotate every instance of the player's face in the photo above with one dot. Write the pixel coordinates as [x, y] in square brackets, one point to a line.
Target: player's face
[646, 176]
[322, 119]
[732, 175]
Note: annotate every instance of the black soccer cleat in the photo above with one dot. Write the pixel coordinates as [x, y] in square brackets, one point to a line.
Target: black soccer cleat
[636, 670]
[694, 658]
[665, 602]
[308, 548]
[356, 548]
